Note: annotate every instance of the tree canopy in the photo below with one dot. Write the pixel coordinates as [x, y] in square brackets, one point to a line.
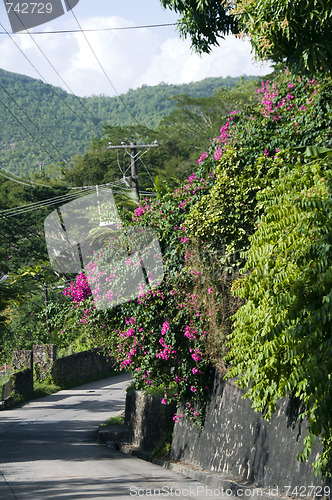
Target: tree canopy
[298, 33]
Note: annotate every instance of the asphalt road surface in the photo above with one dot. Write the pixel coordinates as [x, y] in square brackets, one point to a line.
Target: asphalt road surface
[49, 450]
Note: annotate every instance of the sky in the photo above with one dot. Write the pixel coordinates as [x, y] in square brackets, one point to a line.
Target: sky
[129, 58]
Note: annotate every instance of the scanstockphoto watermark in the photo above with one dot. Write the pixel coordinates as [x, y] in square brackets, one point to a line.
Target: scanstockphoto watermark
[24, 15]
[194, 492]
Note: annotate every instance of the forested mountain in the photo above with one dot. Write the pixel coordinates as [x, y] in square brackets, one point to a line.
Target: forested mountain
[44, 124]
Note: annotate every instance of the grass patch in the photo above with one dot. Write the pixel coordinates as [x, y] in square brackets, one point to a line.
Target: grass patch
[117, 420]
[157, 391]
[42, 389]
[131, 388]
[163, 448]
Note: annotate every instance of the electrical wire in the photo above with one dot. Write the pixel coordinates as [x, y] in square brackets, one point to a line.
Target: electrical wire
[32, 184]
[138, 155]
[49, 86]
[14, 180]
[146, 168]
[60, 32]
[95, 120]
[11, 212]
[28, 117]
[103, 70]
[118, 162]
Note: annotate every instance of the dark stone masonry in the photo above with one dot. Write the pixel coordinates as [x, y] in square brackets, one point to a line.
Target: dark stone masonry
[235, 441]
[82, 365]
[41, 363]
[148, 420]
[43, 359]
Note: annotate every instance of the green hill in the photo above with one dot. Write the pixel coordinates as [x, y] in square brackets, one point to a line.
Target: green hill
[43, 124]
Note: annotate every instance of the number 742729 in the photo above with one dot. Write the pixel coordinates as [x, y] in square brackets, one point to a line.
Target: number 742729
[29, 8]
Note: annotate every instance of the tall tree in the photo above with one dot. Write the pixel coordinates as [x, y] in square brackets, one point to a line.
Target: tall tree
[298, 33]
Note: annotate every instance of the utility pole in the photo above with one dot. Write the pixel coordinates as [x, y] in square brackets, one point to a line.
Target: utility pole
[133, 159]
[46, 304]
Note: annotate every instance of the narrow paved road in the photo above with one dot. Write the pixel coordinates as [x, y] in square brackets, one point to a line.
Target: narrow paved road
[48, 450]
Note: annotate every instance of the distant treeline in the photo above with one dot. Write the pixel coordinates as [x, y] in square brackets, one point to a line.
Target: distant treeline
[43, 125]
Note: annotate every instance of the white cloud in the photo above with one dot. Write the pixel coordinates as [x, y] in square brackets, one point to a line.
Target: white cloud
[177, 63]
[129, 57]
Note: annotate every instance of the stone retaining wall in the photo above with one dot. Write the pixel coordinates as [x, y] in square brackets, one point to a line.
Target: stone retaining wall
[20, 382]
[237, 441]
[82, 365]
[22, 360]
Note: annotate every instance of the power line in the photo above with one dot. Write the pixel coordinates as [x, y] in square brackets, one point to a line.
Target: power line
[146, 168]
[50, 86]
[58, 74]
[103, 70]
[133, 159]
[14, 180]
[32, 184]
[91, 30]
[10, 212]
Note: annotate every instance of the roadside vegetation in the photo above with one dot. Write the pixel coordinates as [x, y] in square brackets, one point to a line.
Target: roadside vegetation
[243, 218]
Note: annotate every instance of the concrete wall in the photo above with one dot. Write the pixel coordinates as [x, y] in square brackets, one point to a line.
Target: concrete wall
[82, 365]
[236, 440]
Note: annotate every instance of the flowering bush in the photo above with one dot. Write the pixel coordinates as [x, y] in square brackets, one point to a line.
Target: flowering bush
[160, 336]
[174, 333]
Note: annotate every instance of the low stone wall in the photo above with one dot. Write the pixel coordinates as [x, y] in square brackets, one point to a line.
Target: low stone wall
[20, 382]
[148, 420]
[23, 360]
[6, 390]
[23, 382]
[237, 441]
[43, 359]
[74, 368]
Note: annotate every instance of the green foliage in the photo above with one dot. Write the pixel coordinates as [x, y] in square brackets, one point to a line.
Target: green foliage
[260, 200]
[282, 340]
[23, 250]
[288, 111]
[44, 388]
[298, 33]
[180, 135]
[69, 123]
[117, 420]
[203, 20]
[163, 449]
